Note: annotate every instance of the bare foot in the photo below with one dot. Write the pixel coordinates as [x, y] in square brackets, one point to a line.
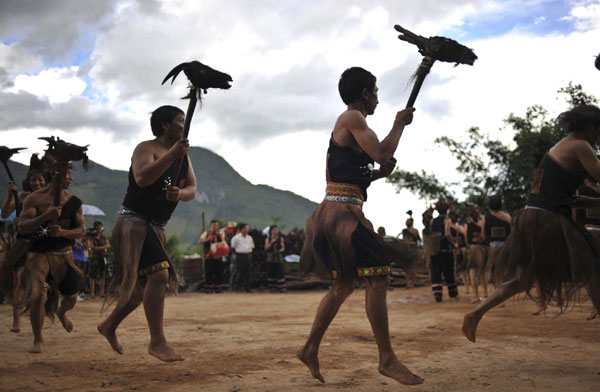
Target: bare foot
[66, 323]
[469, 327]
[36, 348]
[541, 308]
[311, 360]
[164, 352]
[475, 300]
[593, 315]
[396, 370]
[111, 336]
[15, 328]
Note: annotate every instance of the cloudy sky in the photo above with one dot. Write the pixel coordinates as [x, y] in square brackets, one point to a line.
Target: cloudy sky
[90, 72]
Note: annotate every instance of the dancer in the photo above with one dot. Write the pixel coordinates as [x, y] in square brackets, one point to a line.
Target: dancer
[35, 179]
[410, 235]
[50, 267]
[546, 245]
[142, 268]
[340, 241]
[442, 263]
[478, 252]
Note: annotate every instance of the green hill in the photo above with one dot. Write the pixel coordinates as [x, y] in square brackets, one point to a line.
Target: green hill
[222, 194]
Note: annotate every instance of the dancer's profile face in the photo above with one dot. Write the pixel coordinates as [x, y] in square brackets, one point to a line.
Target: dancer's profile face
[67, 179]
[174, 129]
[372, 101]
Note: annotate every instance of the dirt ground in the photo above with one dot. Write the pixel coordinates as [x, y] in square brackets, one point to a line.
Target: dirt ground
[247, 342]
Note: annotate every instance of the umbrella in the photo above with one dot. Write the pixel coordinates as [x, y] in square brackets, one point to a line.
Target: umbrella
[89, 209]
[11, 217]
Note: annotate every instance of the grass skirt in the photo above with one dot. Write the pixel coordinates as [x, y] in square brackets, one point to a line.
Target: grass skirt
[339, 238]
[552, 250]
[127, 240]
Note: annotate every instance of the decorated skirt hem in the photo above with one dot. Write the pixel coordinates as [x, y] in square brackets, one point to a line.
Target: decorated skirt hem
[153, 268]
[369, 271]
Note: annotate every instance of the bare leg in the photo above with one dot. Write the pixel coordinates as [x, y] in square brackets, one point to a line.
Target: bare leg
[67, 304]
[154, 304]
[17, 301]
[541, 304]
[328, 308]
[92, 287]
[376, 305]
[38, 270]
[465, 277]
[109, 326]
[501, 294]
[473, 276]
[102, 280]
[484, 281]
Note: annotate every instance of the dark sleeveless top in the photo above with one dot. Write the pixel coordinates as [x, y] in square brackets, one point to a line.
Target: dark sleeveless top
[588, 216]
[460, 239]
[347, 165]
[407, 233]
[553, 187]
[67, 220]
[496, 229]
[474, 233]
[151, 201]
[438, 226]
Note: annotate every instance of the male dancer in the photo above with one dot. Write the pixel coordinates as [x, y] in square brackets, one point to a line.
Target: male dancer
[50, 267]
[142, 267]
[340, 241]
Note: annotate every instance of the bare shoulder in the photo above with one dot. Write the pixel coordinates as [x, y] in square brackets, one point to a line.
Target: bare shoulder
[145, 146]
[352, 119]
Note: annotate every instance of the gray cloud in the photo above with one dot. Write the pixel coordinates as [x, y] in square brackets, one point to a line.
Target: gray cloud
[133, 48]
[25, 110]
[5, 80]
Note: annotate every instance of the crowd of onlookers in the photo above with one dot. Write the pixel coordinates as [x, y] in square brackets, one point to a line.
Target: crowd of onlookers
[233, 246]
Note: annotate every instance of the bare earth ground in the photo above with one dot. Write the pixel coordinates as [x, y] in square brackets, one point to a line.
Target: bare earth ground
[247, 342]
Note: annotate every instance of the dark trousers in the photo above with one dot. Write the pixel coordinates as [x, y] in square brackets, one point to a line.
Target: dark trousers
[243, 269]
[442, 265]
[213, 272]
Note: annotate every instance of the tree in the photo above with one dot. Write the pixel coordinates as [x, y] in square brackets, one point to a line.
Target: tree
[488, 166]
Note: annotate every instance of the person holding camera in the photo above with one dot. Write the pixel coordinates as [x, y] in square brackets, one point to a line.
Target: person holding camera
[98, 244]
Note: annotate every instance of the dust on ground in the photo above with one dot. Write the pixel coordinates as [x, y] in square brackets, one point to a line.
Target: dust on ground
[247, 342]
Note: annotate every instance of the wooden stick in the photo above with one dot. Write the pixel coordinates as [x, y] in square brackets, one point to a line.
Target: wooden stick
[186, 129]
[14, 192]
[422, 73]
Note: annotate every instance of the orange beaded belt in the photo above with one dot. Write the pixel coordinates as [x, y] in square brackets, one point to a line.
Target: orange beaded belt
[344, 193]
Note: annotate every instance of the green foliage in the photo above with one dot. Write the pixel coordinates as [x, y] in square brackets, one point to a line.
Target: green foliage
[488, 166]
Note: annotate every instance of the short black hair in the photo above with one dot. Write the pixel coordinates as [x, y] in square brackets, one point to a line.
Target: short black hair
[164, 114]
[496, 202]
[352, 82]
[98, 223]
[240, 226]
[213, 221]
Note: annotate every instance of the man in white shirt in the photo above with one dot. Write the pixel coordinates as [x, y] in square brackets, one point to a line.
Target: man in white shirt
[243, 244]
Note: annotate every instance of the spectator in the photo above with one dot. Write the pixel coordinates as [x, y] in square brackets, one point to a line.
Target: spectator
[274, 247]
[98, 244]
[229, 232]
[213, 266]
[243, 244]
[79, 256]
